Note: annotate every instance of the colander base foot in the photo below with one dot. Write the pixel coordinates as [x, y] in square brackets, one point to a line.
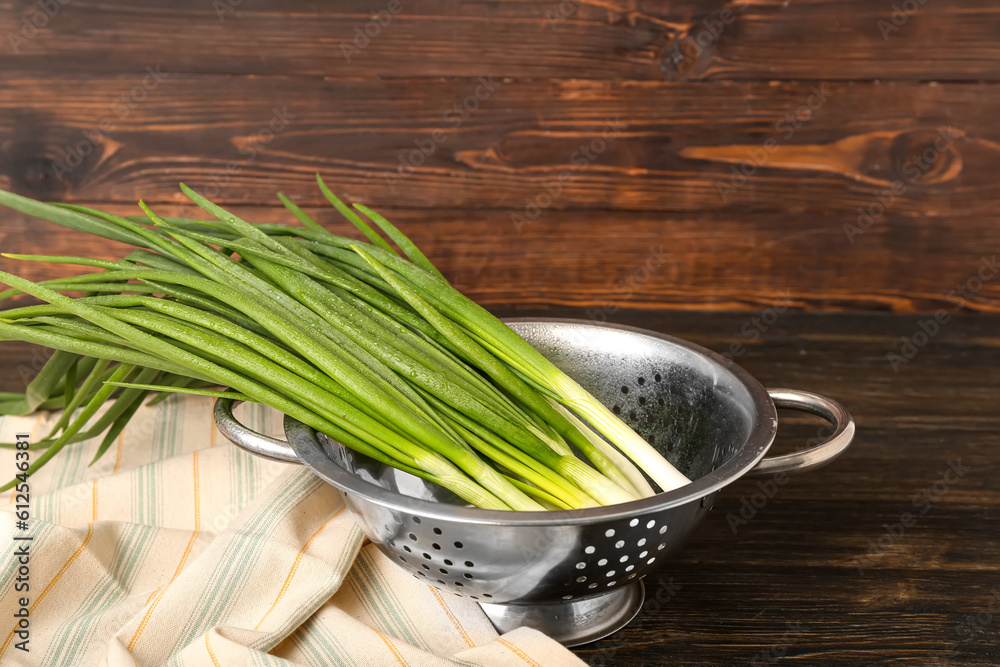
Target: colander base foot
[572, 622]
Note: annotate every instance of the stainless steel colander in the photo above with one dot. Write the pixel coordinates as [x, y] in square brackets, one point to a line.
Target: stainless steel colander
[575, 575]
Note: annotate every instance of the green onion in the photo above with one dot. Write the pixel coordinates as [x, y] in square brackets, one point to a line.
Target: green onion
[370, 346]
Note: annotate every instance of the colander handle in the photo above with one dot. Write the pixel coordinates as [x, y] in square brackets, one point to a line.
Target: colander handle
[819, 455]
[256, 443]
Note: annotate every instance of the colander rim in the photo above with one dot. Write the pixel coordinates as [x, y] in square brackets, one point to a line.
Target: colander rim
[305, 441]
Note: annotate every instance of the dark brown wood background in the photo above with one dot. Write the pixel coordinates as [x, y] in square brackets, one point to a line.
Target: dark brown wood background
[693, 106]
[697, 88]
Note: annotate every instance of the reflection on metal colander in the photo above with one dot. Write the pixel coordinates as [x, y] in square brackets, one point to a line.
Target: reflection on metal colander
[575, 574]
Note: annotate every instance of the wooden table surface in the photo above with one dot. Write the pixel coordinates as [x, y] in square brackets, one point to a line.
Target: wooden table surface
[813, 574]
[840, 152]
[741, 147]
[892, 553]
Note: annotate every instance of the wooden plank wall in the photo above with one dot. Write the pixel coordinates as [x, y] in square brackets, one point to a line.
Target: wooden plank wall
[634, 153]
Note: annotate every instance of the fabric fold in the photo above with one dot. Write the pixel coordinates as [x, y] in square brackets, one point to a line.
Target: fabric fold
[177, 548]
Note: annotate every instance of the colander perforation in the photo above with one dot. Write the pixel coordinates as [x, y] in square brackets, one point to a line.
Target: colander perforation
[705, 415]
[661, 389]
[575, 575]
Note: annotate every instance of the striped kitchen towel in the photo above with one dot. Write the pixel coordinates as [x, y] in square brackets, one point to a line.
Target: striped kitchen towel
[177, 548]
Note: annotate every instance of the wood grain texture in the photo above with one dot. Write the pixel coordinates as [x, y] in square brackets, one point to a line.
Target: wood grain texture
[887, 211]
[922, 149]
[645, 39]
[603, 261]
[752, 139]
[787, 582]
